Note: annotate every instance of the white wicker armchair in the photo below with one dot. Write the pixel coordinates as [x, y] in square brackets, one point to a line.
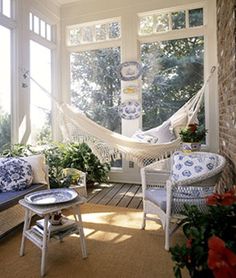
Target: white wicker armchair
[181, 179]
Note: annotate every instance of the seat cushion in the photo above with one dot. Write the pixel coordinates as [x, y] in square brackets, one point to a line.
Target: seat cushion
[11, 198]
[156, 196]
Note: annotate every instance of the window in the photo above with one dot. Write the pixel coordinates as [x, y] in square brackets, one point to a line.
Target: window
[95, 86]
[40, 102]
[174, 74]
[6, 8]
[40, 27]
[157, 22]
[5, 88]
[93, 32]
[174, 67]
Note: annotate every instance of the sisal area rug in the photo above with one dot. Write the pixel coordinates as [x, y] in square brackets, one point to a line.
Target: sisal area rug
[117, 247]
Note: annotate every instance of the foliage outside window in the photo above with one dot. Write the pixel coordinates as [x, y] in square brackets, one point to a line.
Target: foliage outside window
[95, 86]
[167, 21]
[174, 73]
[93, 32]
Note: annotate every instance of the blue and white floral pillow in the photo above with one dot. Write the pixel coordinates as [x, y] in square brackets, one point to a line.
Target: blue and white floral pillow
[15, 174]
[185, 166]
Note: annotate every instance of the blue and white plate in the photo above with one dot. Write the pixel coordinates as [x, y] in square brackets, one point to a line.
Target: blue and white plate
[130, 70]
[50, 197]
[130, 109]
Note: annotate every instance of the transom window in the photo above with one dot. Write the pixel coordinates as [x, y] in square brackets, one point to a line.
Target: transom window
[158, 22]
[6, 8]
[41, 27]
[93, 32]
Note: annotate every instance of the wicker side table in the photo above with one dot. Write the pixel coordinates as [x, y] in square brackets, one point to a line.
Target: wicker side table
[45, 212]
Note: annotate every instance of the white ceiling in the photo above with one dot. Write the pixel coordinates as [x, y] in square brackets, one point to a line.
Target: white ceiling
[63, 2]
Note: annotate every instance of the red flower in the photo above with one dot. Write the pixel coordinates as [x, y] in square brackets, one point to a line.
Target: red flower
[225, 199]
[221, 260]
[192, 127]
[189, 243]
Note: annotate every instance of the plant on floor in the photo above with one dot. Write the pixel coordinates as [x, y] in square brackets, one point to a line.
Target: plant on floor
[210, 249]
[65, 155]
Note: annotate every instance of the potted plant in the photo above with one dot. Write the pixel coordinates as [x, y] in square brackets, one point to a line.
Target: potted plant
[77, 180]
[210, 248]
[191, 137]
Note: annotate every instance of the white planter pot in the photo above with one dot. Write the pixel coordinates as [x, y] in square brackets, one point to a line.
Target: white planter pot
[191, 147]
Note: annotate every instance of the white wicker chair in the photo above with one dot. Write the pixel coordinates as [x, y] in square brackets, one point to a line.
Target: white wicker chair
[181, 179]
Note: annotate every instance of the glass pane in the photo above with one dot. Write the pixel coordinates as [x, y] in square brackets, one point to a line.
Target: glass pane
[42, 28]
[195, 17]
[146, 24]
[114, 30]
[162, 22]
[31, 21]
[75, 35]
[49, 32]
[87, 32]
[36, 24]
[174, 74]
[6, 8]
[5, 88]
[178, 20]
[100, 32]
[40, 101]
[95, 86]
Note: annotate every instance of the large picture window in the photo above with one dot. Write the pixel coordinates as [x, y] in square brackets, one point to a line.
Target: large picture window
[5, 88]
[95, 86]
[174, 74]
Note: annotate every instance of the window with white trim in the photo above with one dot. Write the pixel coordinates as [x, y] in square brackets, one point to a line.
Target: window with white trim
[95, 85]
[7, 24]
[174, 62]
[41, 47]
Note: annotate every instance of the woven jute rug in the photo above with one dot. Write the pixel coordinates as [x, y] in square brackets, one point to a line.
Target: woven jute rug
[117, 247]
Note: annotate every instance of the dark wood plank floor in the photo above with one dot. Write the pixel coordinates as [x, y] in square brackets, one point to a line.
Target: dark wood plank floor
[117, 194]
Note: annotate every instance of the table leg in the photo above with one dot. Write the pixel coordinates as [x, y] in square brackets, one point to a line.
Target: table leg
[78, 219]
[27, 220]
[44, 247]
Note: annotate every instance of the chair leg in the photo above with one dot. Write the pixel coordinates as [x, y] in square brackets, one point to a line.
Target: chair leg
[167, 236]
[144, 221]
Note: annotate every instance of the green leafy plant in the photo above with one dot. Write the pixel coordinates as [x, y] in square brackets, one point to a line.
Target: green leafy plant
[193, 133]
[60, 156]
[210, 249]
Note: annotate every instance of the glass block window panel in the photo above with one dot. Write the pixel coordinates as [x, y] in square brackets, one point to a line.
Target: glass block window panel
[92, 33]
[161, 22]
[178, 20]
[114, 30]
[101, 32]
[174, 74]
[6, 7]
[195, 17]
[95, 85]
[146, 25]
[5, 88]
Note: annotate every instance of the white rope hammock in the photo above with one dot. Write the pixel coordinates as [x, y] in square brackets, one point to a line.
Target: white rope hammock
[107, 144]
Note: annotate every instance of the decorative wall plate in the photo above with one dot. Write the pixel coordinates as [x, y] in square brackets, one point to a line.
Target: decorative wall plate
[130, 109]
[130, 71]
[52, 196]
